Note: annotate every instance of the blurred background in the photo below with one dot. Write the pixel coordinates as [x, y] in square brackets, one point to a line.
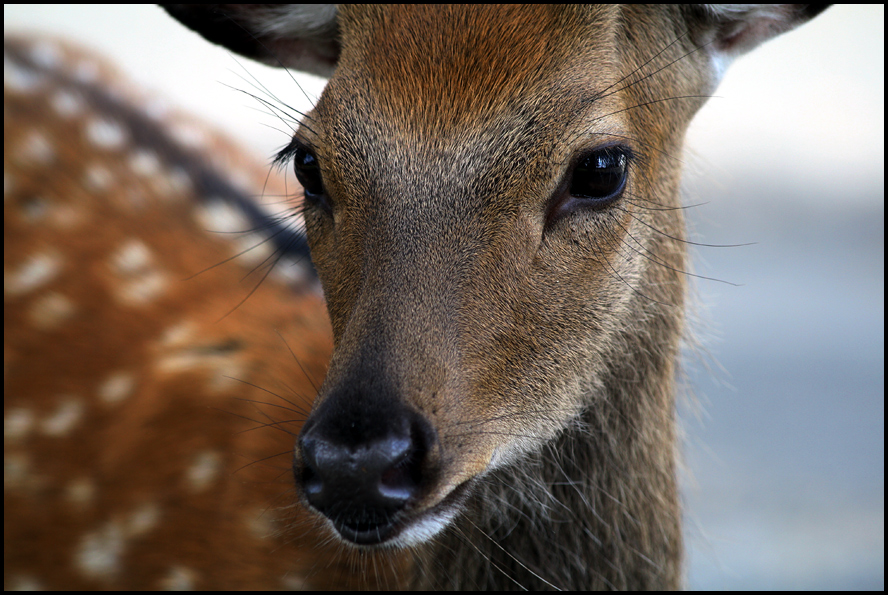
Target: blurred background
[784, 415]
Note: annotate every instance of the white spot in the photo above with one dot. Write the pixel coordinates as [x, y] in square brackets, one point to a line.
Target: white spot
[17, 424]
[178, 334]
[178, 578]
[203, 470]
[290, 272]
[143, 290]
[220, 368]
[190, 136]
[66, 416]
[157, 108]
[46, 54]
[50, 310]
[253, 249]
[294, 582]
[36, 271]
[223, 372]
[86, 71]
[105, 134]
[100, 551]
[80, 492]
[97, 177]
[21, 79]
[67, 104]
[116, 388]
[178, 362]
[217, 216]
[142, 520]
[141, 281]
[35, 150]
[260, 524]
[144, 163]
[175, 184]
[132, 258]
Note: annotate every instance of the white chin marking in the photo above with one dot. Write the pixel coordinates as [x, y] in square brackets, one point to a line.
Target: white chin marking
[418, 532]
[425, 528]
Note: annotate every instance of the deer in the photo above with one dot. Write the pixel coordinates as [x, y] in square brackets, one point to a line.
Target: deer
[491, 200]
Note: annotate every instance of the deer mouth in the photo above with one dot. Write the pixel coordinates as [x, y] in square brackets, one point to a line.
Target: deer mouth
[406, 528]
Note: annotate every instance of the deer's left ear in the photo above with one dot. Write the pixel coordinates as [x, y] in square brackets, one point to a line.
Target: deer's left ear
[726, 31]
[735, 29]
[300, 36]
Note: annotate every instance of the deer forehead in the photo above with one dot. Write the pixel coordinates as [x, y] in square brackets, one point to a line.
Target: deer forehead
[457, 71]
[468, 91]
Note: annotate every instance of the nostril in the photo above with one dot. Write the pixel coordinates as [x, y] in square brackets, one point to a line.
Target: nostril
[396, 485]
[311, 481]
[361, 483]
[400, 480]
[379, 470]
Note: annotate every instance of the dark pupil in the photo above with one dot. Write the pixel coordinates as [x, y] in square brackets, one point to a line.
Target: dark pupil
[308, 172]
[599, 176]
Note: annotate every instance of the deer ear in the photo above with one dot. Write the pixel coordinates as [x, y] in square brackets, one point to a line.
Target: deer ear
[725, 31]
[300, 36]
[734, 29]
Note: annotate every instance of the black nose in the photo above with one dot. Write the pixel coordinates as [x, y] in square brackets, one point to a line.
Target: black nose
[362, 463]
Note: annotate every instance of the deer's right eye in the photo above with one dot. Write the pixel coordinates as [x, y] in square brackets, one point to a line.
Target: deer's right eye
[308, 172]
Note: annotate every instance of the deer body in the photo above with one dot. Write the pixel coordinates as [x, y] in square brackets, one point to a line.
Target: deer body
[131, 444]
[491, 200]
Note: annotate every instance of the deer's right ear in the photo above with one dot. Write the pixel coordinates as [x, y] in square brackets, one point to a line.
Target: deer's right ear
[300, 36]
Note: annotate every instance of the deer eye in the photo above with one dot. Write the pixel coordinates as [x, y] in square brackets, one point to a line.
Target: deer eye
[600, 176]
[308, 172]
[596, 181]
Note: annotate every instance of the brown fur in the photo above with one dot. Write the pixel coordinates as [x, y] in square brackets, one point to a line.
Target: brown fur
[499, 331]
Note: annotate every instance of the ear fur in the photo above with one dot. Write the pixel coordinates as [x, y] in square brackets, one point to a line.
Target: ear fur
[300, 36]
[305, 36]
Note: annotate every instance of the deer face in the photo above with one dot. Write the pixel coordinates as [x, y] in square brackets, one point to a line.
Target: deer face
[483, 198]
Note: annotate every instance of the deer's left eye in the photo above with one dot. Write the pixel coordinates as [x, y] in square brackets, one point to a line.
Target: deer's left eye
[600, 176]
[596, 181]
